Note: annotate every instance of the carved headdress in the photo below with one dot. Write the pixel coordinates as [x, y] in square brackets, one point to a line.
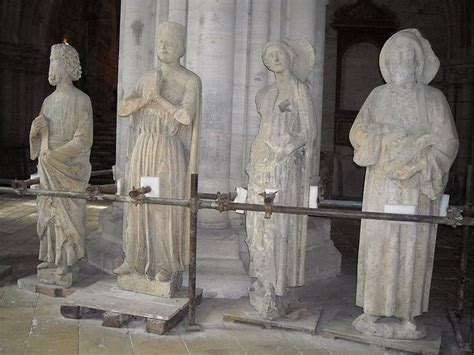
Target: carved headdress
[427, 64]
[301, 54]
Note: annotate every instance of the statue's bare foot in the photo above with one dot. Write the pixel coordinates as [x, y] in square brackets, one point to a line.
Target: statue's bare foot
[45, 265]
[123, 269]
[163, 276]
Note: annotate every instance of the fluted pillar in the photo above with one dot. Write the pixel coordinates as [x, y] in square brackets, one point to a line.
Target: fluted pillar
[215, 66]
[136, 56]
[257, 73]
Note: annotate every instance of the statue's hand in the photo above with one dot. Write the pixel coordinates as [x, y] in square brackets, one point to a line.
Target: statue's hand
[285, 106]
[404, 172]
[39, 124]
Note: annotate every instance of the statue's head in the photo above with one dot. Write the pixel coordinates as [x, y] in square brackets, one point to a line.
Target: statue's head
[408, 56]
[295, 55]
[64, 61]
[170, 44]
[278, 56]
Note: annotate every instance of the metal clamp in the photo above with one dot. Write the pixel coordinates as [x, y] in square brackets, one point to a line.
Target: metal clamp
[137, 194]
[93, 191]
[454, 214]
[222, 202]
[268, 202]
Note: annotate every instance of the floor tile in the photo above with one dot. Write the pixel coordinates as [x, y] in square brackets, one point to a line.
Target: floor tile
[102, 340]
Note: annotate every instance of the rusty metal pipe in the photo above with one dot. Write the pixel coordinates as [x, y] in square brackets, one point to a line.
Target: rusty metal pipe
[101, 172]
[194, 208]
[332, 213]
[464, 246]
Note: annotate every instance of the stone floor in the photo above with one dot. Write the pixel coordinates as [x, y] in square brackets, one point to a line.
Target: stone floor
[31, 323]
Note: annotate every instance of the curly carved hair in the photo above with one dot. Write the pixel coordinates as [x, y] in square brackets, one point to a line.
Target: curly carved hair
[70, 57]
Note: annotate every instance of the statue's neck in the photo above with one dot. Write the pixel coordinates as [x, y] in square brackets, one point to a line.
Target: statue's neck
[167, 67]
[65, 85]
[282, 78]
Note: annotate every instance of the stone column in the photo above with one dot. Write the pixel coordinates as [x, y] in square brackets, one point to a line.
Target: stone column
[136, 56]
[256, 73]
[215, 66]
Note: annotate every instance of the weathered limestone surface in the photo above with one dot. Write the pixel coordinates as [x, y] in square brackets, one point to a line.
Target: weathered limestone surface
[405, 135]
[280, 159]
[61, 138]
[224, 44]
[165, 108]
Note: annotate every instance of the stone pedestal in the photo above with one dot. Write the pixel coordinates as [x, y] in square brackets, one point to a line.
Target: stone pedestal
[141, 284]
[104, 246]
[51, 277]
[222, 255]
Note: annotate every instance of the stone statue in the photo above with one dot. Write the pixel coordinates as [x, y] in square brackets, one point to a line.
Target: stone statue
[405, 135]
[166, 106]
[280, 159]
[61, 138]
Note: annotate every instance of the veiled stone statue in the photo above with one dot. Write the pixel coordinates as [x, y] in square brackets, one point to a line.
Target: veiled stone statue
[165, 104]
[61, 138]
[405, 135]
[280, 159]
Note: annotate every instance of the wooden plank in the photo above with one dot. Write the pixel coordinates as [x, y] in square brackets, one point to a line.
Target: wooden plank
[341, 327]
[243, 312]
[106, 295]
[156, 326]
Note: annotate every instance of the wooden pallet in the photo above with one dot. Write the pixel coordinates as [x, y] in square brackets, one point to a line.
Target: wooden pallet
[243, 312]
[117, 307]
[341, 327]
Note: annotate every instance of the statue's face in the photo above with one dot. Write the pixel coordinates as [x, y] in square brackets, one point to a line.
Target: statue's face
[169, 49]
[57, 70]
[276, 59]
[402, 61]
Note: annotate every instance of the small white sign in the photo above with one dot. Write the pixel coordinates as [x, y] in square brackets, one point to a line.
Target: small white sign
[313, 197]
[400, 209]
[154, 183]
[240, 198]
[35, 186]
[443, 206]
[271, 191]
[120, 186]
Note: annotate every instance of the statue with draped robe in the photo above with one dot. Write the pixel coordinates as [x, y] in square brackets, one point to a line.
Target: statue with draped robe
[165, 106]
[280, 159]
[61, 138]
[405, 135]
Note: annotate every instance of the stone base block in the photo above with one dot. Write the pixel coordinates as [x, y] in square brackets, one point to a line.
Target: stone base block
[341, 327]
[306, 320]
[51, 277]
[138, 283]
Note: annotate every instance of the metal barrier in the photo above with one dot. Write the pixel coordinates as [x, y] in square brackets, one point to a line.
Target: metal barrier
[457, 216]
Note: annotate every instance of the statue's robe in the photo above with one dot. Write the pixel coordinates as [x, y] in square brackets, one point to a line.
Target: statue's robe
[156, 236]
[399, 130]
[281, 159]
[62, 221]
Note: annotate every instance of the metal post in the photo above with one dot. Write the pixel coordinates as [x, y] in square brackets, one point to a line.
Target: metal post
[465, 246]
[194, 208]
